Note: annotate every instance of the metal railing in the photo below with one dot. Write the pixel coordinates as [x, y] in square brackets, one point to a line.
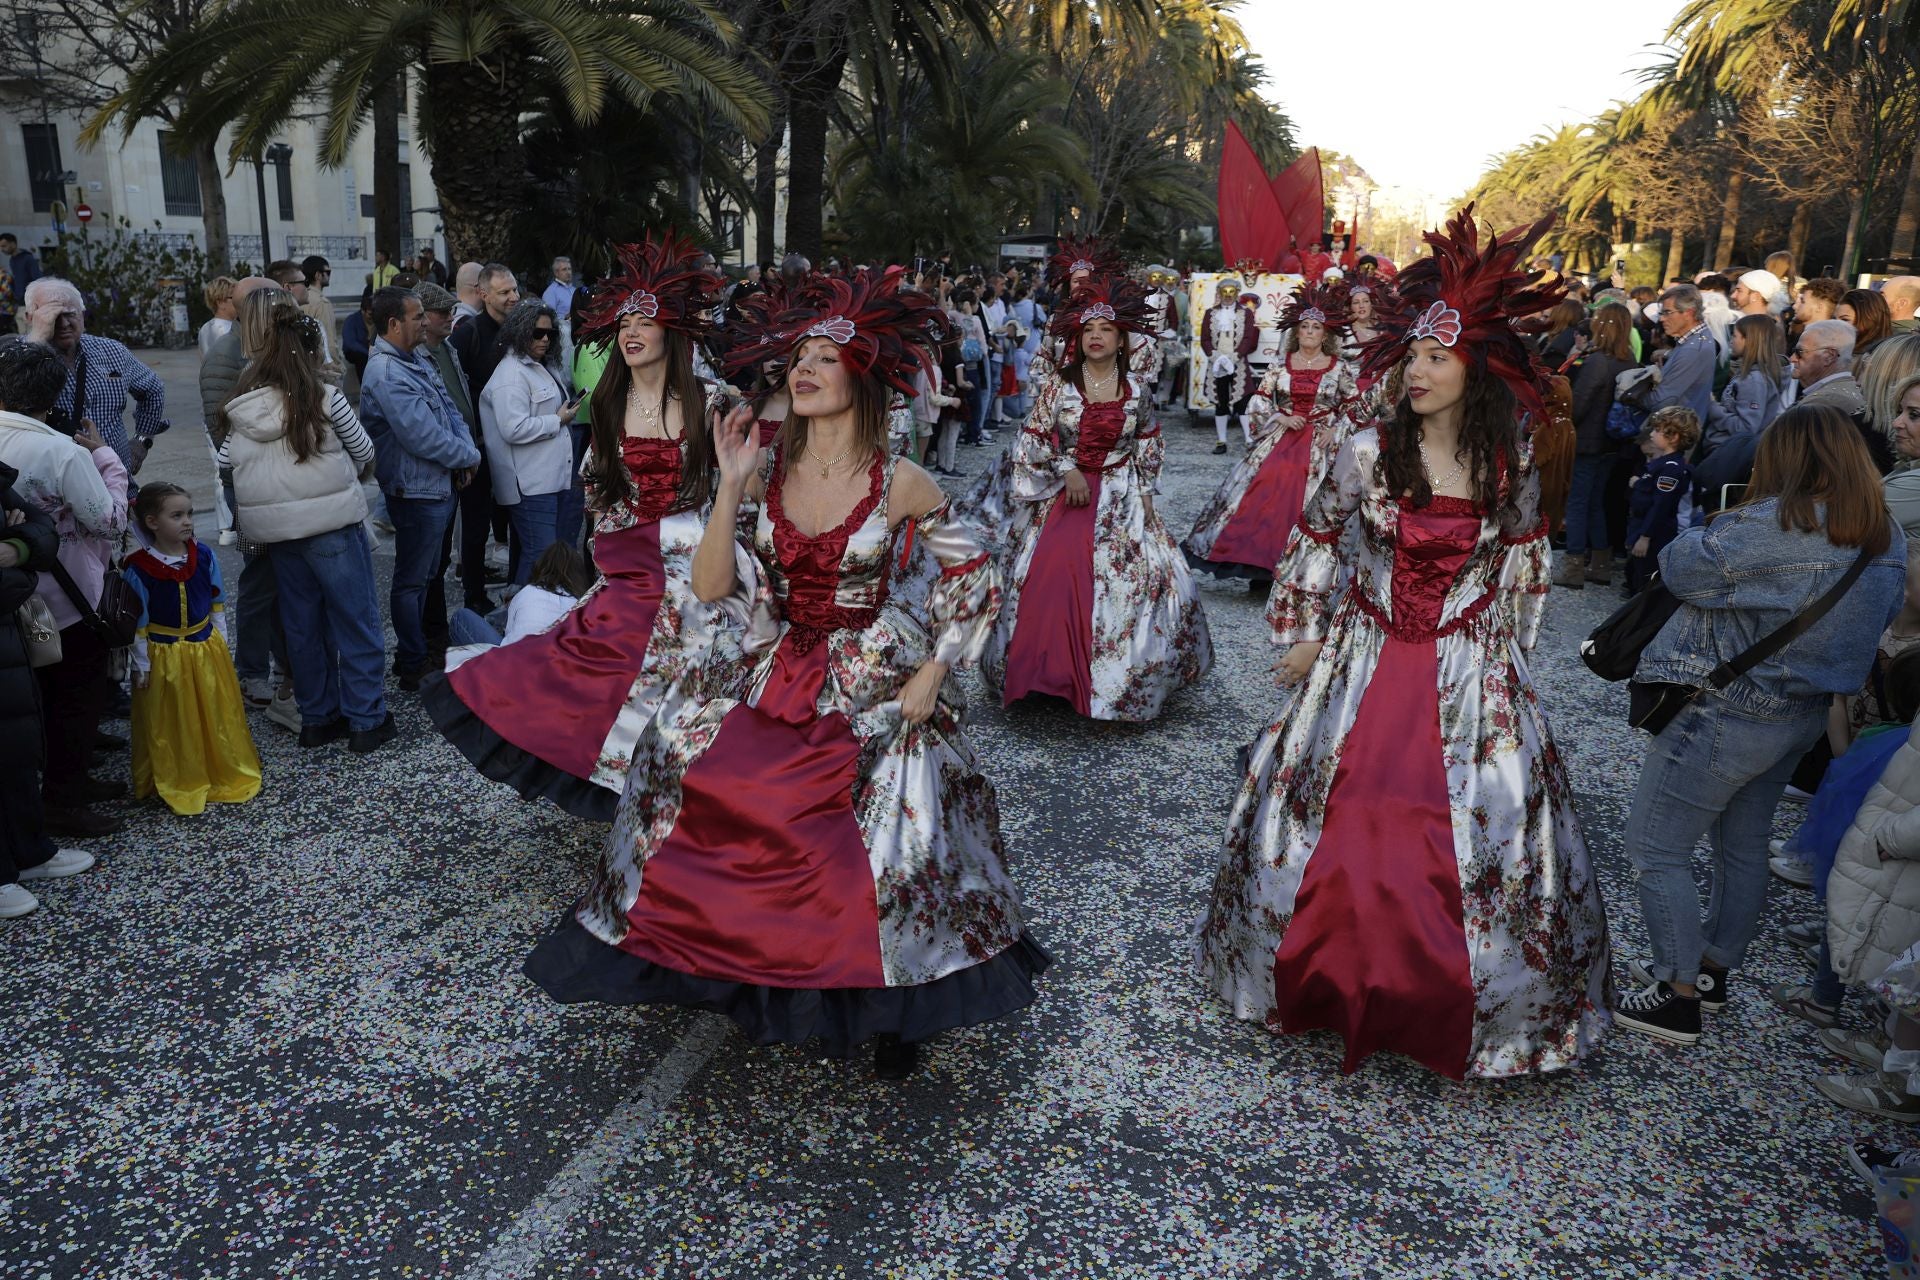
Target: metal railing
[176, 239]
[245, 249]
[333, 248]
[411, 246]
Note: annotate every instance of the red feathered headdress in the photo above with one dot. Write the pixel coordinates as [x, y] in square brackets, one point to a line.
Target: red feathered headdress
[1115, 299]
[753, 321]
[1315, 300]
[884, 331]
[660, 279]
[1075, 256]
[1466, 297]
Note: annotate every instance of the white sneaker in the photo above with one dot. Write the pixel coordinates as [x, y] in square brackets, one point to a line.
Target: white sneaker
[1793, 868]
[285, 712]
[1795, 795]
[63, 863]
[16, 902]
[257, 690]
[228, 537]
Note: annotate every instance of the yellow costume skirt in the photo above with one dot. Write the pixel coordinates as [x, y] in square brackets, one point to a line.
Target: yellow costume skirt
[191, 743]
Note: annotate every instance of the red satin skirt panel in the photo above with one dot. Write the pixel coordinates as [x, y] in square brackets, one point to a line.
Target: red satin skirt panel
[557, 694]
[1051, 650]
[1257, 532]
[1377, 949]
[765, 877]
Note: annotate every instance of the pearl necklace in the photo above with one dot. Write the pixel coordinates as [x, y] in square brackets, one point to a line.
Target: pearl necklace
[650, 416]
[1437, 482]
[1111, 388]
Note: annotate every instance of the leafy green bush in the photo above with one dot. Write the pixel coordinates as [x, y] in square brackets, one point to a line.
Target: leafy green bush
[118, 271]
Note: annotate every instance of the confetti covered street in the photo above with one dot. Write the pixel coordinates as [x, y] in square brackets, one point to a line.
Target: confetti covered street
[292, 1039]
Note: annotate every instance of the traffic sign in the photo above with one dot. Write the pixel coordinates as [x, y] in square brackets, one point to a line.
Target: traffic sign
[84, 212]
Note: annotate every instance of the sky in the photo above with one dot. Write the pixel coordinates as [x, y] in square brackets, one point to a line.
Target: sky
[1436, 89]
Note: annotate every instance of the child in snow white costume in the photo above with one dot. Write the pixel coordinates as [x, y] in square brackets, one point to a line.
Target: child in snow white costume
[806, 843]
[1402, 864]
[1299, 419]
[1100, 608]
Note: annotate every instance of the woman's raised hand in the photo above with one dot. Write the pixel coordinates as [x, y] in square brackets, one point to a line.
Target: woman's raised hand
[736, 445]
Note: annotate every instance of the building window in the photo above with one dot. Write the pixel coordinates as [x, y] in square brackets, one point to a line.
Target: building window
[43, 164]
[283, 183]
[179, 180]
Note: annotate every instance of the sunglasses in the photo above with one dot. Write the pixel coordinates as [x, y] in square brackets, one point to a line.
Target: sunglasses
[542, 332]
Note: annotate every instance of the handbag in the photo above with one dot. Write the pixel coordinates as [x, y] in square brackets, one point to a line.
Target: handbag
[1624, 421]
[115, 620]
[38, 630]
[1613, 651]
[1635, 387]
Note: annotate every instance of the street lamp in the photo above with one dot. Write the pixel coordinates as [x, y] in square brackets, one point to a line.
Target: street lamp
[276, 153]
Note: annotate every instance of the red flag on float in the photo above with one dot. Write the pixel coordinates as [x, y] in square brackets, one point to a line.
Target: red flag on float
[1251, 222]
[1298, 193]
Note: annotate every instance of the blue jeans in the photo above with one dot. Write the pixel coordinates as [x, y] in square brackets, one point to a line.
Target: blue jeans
[1586, 504]
[994, 365]
[332, 616]
[573, 499]
[1717, 770]
[468, 627]
[536, 523]
[419, 527]
[260, 641]
[977, 402]
[1827, 987]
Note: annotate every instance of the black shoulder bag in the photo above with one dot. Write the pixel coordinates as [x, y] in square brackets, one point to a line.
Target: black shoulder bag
[115, 621]
[1613, 651]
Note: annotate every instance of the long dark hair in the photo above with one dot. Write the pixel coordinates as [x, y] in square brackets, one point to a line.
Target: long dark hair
[608, 469]
[1812, 457]
[282, 346]
[871, 401]
[1489, 436]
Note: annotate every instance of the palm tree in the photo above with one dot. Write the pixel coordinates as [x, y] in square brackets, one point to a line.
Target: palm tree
[477, 63]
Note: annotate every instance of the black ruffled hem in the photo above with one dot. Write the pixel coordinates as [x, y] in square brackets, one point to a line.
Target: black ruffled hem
[1223, 569]
[574, 967]
[502, 762]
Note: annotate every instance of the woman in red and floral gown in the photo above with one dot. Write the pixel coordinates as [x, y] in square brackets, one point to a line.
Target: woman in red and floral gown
[806, 843]
[1402, 864]
[1100, 609]
[556, 715]
[1298, 414]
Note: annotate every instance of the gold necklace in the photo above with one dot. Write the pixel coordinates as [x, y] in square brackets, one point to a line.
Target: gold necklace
[649, 417]
[826, 466]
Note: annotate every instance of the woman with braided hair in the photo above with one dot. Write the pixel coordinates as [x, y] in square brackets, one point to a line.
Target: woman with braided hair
[806, 843]
[1297, 421]
[1402, 864]
[1100, 609]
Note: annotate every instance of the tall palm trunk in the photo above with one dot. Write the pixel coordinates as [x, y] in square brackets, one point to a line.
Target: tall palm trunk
[1723, 249]
[1676, 252]
[809, 100]
[1798, 234]
[1906, 228]
[479, 163]
[766, 189]
[1856, 206]
[213, 206]
[387, 214]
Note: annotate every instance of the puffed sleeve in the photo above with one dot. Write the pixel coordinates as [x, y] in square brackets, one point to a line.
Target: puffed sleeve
[1040, 466]
[1263, 404]
[1529, 556]
[965, 597]
[1149, 451]
[1305, 583]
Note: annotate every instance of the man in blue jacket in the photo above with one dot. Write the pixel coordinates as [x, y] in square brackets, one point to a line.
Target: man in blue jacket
[1686, 379]
[422, 446]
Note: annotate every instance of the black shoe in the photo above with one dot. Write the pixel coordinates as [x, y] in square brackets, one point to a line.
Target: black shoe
[1658, 1011]
[1220, 447]
[319, 735]
[410, 680]
[894, 1058]
[86, 791]
[120, 706]
[366, 741]
[1712, 987]
[104, 741]
[79, 821]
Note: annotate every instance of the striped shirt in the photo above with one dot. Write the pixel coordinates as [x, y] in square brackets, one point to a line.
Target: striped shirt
[346, 425]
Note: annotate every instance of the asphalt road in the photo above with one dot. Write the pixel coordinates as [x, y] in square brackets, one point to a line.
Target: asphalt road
[292, 1039]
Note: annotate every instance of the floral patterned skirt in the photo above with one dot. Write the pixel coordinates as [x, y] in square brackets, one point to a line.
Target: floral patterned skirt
[805, 883]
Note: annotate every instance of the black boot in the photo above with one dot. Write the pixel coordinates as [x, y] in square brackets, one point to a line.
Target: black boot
[894, 1058]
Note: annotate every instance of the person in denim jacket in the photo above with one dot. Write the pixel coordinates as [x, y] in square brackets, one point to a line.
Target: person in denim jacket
[1720, 767]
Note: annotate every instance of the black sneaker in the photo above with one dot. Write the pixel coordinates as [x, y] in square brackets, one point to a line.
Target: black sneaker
[366, 741]
[319, 735]
[1710, 986]
[1866, 1157]
[1656, 1010]
[894, 1058]
[1220, 447]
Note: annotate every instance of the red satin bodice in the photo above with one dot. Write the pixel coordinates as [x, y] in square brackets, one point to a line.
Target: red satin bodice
[1434, 542]
[1303, 387]
[1100, 427]
[810, 565]
[654, 467]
